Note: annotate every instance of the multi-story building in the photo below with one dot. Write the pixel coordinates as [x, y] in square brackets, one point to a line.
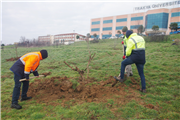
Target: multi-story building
[48, 39]
[68, 38]
[109, 26]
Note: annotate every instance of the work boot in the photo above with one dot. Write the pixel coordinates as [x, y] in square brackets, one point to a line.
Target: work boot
[119, 78]
[143, 90]
[25, 98]
[16, 106]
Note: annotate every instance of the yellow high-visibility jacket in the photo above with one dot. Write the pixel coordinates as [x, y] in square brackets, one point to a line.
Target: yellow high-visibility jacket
[136, 48]
[125, 44]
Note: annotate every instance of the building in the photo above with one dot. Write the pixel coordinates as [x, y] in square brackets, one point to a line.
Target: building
[68, 38]
[46, 39]
[109, 26]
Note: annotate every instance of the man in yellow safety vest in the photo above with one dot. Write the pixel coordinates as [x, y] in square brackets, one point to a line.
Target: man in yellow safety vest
[135, 53]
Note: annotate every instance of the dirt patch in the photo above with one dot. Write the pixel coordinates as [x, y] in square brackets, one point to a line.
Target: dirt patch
[150, 106]
[46, 74]
[61, 88]
[13, 59]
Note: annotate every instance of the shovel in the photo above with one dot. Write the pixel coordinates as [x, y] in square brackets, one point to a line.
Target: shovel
[43, 75]
[31, 78]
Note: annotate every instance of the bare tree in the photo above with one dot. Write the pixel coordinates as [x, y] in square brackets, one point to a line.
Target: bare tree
[81, 72]
[88, 36]
[90, 58]
[22, 39]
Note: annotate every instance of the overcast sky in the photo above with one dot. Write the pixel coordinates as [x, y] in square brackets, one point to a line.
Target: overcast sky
[32, 19]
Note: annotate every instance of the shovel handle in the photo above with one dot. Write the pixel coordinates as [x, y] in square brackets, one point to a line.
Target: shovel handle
[30, 78]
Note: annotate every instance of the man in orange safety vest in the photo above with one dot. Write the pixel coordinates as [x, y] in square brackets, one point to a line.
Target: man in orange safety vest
[25, 65]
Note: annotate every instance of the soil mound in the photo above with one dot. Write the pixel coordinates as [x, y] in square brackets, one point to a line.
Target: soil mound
[50, 90]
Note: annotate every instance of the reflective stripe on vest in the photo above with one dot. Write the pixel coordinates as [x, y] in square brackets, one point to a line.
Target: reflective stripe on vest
[136, 44]
[26, 72]
[26, 56]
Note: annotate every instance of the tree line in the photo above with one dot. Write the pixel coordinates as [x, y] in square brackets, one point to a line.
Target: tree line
[32, 42]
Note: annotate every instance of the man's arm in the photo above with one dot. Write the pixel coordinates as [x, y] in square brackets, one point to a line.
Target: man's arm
[129, 48]
[36, 73]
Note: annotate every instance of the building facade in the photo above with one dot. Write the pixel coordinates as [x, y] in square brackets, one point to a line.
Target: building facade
[67, 38]
[109, 26]
[48, 39]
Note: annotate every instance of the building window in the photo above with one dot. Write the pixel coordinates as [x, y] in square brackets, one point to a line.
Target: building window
[95, 22]
[137, 18]
[176, 14]
[107, 28]
[159, 19]
[134, 26]
[95, 29]
[92, 36]
[107, 21]
[121, 20]
[119, 27]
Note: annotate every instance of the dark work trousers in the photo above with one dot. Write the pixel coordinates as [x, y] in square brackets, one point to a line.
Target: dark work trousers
[124, 50]
[17, 86]
[140, 68]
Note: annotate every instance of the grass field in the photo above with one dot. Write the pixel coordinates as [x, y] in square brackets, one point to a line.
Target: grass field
[162, 73]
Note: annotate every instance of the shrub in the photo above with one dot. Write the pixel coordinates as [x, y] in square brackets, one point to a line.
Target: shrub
[94, 41]
[157, 38]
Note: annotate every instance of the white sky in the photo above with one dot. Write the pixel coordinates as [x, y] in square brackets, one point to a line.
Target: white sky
[32, 19]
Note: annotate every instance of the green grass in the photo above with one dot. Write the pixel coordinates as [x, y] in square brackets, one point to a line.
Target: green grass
[161, 72]
[84, 111]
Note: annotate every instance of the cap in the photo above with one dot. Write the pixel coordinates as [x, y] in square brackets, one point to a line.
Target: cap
[128, 33]
[44, 53]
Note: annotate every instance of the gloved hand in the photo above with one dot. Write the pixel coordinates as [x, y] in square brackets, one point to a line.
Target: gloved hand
[122, 42]
[124, 57]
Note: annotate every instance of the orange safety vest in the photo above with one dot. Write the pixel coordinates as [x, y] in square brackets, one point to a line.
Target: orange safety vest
[31, 61]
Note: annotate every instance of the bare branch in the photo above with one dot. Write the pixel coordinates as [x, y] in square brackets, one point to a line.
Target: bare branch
[90, 58]
[70, 66]
[81, 72]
